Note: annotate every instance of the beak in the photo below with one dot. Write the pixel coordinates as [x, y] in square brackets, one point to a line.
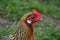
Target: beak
[41, 19]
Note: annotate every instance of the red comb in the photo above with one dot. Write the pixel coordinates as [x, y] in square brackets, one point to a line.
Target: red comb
[36, 13]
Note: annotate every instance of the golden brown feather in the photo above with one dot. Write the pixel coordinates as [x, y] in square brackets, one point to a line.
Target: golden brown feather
[23, 32]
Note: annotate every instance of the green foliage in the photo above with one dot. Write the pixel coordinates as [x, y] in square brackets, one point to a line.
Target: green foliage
[7, 30]
[47, 31]
[15, 9]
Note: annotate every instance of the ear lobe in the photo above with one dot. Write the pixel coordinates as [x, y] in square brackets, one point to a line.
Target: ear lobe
[29, 21]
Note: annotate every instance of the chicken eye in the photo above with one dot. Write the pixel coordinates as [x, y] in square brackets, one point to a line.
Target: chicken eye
[32, 17]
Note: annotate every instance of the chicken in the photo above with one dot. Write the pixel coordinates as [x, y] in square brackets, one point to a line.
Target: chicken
[25, 27]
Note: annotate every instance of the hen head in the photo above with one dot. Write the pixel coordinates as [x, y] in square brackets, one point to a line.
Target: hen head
[34, 17]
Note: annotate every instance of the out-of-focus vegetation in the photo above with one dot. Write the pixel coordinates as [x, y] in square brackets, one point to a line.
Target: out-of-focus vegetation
[7, 30]
[46, 31]
[15, 9]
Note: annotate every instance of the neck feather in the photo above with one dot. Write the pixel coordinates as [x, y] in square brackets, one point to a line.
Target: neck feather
[23, 27]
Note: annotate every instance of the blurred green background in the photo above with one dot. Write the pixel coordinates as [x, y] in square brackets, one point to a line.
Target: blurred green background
[15, 9]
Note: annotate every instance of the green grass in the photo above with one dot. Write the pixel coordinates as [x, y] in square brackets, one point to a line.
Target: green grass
[7, 30]
[46, 31]
[15, 9]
